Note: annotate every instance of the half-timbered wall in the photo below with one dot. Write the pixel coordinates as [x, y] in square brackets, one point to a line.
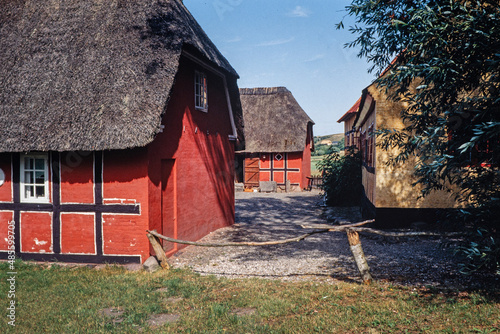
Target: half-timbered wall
[367, 149]
[102, 203]
[350, 138]
[88, 218]
[280, 167]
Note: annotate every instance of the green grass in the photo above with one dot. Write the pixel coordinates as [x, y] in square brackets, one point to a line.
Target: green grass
[68, 300]
[314, 161]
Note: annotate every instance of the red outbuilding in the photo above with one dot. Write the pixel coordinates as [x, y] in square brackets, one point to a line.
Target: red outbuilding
[278, 138]
[116, 117]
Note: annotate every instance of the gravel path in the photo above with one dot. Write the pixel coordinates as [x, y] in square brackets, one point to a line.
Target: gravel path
[264, 217]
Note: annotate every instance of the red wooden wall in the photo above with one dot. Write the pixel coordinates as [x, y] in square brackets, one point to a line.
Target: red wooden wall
[102, 203]
[88, 218]
[306, 157]
[279, 166]
[282, 166]
[191, 164]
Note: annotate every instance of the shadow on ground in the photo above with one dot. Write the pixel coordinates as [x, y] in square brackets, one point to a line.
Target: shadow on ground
[266, 217]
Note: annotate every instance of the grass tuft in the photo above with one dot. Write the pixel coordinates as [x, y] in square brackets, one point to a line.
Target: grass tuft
[59, 299]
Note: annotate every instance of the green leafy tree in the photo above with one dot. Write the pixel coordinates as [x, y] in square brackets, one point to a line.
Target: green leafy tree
[341, 144]
[342, 178]
[447, 69]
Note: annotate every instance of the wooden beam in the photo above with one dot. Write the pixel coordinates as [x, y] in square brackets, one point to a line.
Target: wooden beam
[337, 228]
[160, 253]
[359, 256]
[229, 244]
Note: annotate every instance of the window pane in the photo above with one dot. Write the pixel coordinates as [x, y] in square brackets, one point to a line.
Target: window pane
[204, 94]
[200, 91]
[39, 177]
[28, 191]
[28, 163]
[28, 177]
[39, 163]
[40, 191]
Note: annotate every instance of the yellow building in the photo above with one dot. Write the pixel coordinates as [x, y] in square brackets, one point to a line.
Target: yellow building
[390, 195]
[348, 119]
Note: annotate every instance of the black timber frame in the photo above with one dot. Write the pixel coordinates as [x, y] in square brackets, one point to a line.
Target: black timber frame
[99, 208]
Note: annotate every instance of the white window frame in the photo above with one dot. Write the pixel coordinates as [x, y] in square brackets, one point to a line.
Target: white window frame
[23, 184]
[200, 91]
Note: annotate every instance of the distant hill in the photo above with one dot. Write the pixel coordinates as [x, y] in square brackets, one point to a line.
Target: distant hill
[327, 144]
[335, 138]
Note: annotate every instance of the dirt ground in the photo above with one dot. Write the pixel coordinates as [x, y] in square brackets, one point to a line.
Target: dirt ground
[419, 261]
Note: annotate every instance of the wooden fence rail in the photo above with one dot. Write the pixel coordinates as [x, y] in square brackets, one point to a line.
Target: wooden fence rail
[314, 182]
[352, 231]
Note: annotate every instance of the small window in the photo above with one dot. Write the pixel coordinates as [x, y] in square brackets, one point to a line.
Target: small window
[370, 146]
[200, 91]
[34, 178]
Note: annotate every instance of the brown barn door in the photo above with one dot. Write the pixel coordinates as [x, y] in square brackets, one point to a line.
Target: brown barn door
[169, 202]
[252, 168]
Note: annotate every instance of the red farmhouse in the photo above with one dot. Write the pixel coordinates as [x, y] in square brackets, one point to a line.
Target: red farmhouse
[278, 138]
[117, 117]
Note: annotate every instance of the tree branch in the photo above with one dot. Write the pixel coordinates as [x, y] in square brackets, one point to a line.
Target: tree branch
[337, 228]
[405, 234]
[320, 228]
[229, 244]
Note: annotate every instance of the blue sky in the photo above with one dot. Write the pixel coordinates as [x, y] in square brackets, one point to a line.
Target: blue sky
[293, 44]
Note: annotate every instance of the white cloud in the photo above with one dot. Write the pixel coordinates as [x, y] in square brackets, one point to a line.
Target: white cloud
[314, 58]
[276, 42]
[234, 40]
[299, 11]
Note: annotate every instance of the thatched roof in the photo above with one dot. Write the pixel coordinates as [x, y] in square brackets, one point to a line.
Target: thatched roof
[274, 121]
[93, 74]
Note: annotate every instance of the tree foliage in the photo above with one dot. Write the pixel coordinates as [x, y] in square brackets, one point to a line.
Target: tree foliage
[342, 178]
[446, 68]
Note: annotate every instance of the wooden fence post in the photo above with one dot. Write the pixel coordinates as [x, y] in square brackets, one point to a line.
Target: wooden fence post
[160, 253]
[359, 256]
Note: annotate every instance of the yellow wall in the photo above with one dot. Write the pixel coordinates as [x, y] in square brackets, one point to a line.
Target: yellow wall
[393, 184]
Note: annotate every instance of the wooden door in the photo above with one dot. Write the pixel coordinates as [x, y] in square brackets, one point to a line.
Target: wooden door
[252, 169]
[169, 202]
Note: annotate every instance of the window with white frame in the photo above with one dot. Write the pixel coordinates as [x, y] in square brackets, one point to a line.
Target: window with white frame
[200, 91]
[34, 178]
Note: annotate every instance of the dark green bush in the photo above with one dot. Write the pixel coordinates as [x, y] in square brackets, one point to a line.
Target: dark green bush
[482, 247]
[342, 178]
[482, 253]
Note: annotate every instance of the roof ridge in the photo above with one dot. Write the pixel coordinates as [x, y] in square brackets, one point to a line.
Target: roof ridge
[116, 107]
[263, 90]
